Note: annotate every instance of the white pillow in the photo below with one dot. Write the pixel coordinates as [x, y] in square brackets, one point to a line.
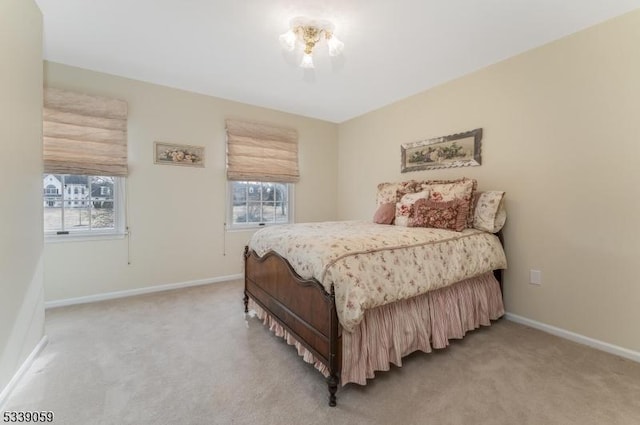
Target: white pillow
[489, 213]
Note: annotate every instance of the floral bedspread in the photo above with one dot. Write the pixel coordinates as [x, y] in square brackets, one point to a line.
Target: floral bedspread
[371, 264]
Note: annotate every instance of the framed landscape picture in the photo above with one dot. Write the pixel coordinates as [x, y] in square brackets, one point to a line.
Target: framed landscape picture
[175, 154]
[456, 150]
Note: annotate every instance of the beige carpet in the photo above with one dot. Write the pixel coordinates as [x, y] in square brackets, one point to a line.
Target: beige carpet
[189, 357]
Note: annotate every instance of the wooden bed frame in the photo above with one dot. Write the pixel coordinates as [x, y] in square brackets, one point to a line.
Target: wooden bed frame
[301, 306]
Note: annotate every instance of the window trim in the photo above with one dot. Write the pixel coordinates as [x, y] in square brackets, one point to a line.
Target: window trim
[119, 230]
[233, 227]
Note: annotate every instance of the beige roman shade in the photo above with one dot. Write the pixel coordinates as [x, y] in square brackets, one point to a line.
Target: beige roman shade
[261, 152]
[84, 134]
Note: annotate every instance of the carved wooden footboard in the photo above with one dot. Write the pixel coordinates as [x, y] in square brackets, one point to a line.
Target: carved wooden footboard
[301, 306]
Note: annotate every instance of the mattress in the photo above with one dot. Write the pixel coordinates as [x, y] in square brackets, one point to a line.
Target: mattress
[369, 265]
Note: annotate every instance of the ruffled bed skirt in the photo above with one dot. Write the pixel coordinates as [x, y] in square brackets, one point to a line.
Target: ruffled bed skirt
[390, 332]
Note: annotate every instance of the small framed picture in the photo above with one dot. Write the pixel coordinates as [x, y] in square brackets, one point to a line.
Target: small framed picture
[176, 154]
[456, 150]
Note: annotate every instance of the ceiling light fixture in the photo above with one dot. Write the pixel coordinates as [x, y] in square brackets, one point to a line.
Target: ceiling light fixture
[309, 32]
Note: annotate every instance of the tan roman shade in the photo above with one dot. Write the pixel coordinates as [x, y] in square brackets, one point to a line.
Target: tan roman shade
[261, 152]
[84, 134]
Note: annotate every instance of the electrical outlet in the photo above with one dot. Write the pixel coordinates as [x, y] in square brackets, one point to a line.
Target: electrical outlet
[535, 277]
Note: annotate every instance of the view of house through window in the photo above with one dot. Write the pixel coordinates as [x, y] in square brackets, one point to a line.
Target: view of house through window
[79, 204]
[258, 203]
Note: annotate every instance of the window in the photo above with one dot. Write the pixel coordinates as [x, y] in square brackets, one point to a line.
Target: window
[262, 166]
[84, 152]
[259, 203]
[88, 213]
[50, 190]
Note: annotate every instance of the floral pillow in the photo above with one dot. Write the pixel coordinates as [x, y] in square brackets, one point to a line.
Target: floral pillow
[404, 208]
[489, 213]
[393, 192]
[451, 215]
[449, 190]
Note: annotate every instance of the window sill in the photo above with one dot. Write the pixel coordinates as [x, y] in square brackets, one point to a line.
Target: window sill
[244, 229]
[251, 228]
[84, 237]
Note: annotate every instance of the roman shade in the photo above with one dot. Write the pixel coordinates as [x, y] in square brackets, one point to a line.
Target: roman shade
[261, 152]
[84, 134]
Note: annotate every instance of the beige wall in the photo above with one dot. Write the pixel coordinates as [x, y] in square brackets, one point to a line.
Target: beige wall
[21, 283]
[177, 214]
[561, 136]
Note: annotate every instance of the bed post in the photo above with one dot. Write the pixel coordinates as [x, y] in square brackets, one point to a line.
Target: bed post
[332, 379]
[246, 297]
[499, 274]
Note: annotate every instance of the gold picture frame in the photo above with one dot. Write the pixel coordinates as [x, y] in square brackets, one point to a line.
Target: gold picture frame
[177, 154]
[455, 150]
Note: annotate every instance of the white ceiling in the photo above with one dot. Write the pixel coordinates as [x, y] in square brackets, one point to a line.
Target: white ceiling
[230, 48]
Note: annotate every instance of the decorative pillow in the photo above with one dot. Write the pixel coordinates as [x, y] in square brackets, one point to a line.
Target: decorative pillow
[393, 192]
[385, 214]
[449, 190]
[404, 208]
[451, 215]
[501, 218]
[489, 213]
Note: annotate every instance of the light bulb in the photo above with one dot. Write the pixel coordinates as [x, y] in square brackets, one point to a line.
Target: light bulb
[307, 61]
[335, 46]
[288, 40]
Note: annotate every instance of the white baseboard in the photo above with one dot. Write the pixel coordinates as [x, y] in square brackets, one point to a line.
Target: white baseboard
[138, 291]
[6, 392]
[572, 336]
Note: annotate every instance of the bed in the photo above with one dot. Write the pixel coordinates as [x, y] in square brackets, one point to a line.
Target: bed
[354, 297]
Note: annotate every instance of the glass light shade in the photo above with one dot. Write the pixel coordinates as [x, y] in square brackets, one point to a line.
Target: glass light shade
[288, 40]
[335, 46]
[307, 61]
